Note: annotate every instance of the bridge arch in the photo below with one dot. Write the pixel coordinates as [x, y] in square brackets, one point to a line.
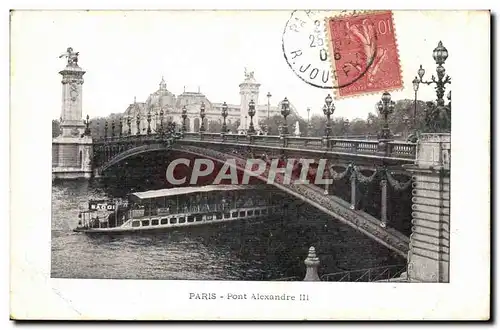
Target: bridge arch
[309, 193]
[132, 153]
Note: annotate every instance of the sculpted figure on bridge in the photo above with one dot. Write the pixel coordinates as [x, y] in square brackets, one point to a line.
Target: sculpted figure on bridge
[71, 56]
[249, 74]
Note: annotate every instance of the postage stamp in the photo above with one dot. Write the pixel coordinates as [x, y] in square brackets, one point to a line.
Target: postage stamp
[365, 54]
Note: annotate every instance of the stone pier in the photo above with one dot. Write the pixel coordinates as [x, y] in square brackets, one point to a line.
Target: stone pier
[71, 157]
[429, 255]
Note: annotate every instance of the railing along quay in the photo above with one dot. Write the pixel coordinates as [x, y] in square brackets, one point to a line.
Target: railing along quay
[390, 273]
[375, 274]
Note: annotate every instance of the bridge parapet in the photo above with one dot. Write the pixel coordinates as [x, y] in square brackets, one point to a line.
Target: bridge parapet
[393, 152]
[393, 149]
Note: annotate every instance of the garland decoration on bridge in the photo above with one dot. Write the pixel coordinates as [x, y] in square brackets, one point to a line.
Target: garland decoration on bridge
[362, 178]
[339, 176]
[398, 186]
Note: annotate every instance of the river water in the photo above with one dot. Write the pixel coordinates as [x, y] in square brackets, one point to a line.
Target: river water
[270, 250]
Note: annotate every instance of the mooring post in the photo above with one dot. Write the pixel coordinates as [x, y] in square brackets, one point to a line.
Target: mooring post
[312, 263]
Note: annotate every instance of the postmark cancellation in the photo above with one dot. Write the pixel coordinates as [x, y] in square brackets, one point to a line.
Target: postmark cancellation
[364, 53]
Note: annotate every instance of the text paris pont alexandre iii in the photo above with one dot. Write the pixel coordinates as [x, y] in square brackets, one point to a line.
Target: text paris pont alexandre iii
[248, 296]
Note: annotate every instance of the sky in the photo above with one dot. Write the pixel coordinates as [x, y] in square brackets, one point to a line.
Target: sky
[126, 53]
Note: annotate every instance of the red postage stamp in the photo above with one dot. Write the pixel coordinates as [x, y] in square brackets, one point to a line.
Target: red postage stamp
[364, 53]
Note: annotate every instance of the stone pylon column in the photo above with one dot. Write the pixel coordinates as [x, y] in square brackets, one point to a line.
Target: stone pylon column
[429, 255]
[71, 102]
[249, 90]
[72, 151]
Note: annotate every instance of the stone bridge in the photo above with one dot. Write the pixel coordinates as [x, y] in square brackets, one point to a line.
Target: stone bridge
[112, 150]
[384, 160]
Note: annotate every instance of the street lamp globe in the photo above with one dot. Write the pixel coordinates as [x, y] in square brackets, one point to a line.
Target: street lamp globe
[251, 108]
[380, 106]
[440, 54]
[392, 105]
[415, 83]
[328, 100]
[386, 97]
[224, 109]
[421, 72]
[285, 111]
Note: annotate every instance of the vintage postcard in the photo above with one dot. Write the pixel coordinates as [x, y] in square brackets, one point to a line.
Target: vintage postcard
[250, 165]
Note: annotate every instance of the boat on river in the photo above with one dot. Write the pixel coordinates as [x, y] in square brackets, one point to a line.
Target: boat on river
[180, 207]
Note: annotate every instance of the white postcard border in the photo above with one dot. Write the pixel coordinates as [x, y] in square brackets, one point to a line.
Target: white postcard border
[35, 295]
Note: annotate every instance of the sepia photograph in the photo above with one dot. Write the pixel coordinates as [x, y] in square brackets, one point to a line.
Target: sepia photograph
[248, 146]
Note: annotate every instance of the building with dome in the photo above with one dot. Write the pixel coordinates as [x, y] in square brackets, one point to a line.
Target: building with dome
[164, 101]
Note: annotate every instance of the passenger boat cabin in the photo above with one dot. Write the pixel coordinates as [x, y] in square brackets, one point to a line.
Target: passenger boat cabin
[181, 205]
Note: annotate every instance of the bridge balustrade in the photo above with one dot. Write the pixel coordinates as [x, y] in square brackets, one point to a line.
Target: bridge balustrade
[304, 142]
[394, 149]
[402, 149]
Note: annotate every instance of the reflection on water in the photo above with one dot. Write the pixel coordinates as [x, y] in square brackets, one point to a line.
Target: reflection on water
[237, 251]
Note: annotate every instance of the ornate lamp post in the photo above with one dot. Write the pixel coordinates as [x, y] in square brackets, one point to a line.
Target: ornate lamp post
[87, 128]
[224, 115]
[251, 113]
[138, 122]
[268, 110]
[149, 122]
[440, 54]
[184, 117]
[308, 131]
[328, 110]
[121, 127]
[415, 83]
[346, 124]
[129, 126]
[385, 107]
[161, 120]
[106, 129]
[369, 123]
[202, 116]
[285, 111]
[113, 128]
[406, 122]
